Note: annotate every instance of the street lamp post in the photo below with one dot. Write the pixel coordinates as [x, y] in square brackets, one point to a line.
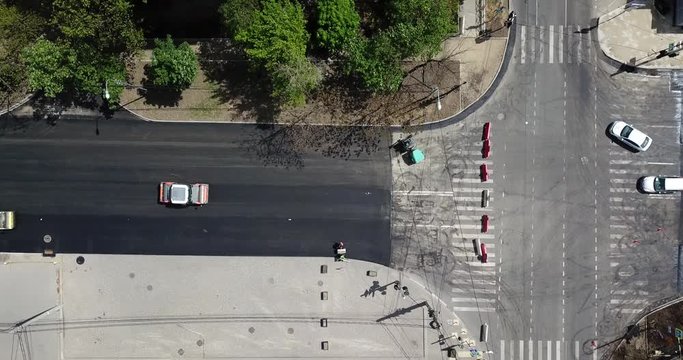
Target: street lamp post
[106, 90]
[438, 98]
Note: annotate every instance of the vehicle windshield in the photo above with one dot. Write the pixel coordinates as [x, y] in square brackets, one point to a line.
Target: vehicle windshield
[626, 131]
[647, 141]
[659, 184]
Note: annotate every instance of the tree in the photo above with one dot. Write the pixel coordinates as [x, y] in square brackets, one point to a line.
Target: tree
[173, 67]
[417, 27]
[292, 82]
[237, 14]
[107, 25]
[92, 41]
[376, 62]
[49, 66]
[338, 22]
[277, 34]
[18, 29]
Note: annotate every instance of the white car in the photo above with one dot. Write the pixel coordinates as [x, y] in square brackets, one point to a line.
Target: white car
[6, 220]
[171, 193]
[630, 136]
[660, 184]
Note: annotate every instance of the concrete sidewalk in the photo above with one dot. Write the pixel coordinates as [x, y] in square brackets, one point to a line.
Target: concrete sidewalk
[640, 38]
[150, 307]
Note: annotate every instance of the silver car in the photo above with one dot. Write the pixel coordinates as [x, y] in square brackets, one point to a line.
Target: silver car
[630, 136]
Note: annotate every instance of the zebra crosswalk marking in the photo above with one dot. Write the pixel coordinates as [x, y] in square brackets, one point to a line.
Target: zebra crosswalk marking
[550, 44]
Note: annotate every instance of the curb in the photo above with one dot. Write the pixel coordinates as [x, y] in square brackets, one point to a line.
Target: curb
[16, 105]
[502, 68]
[620, 65]
[455, 118]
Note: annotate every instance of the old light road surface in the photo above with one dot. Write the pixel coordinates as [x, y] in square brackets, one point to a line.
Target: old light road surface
[575, 252]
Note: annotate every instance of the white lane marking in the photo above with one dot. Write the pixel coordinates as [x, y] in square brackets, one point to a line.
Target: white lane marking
[540, 350]
[424, 193]
[551, 49]
[532, 34]
[630, 311]
[578, 48]
[625, 171]
[472, 181]
[502, 349]
[663, 126]
[590, 41]
[619, 301]
[630, 292]
[541, 48]
[557, 349]
[530, 345]
[469, 290]
[550, 346]
[660, 163]
[473, 299]
[523, 47]
[576, 350]
[473, 309]
[560, 43]
[471, 236]
[463, 226]
[481, 264]
[521, 349]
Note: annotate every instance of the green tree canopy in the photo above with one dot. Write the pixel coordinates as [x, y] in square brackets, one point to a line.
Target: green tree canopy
[49, 66]
[92, 40]
[277, 34]
[18, 29]
[338, 22]
[173, 66]
[237, 14]
[417, 27]
[106, 25]
[376, 62]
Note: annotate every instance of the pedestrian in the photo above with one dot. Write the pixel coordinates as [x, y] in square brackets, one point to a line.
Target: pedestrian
[511, 18]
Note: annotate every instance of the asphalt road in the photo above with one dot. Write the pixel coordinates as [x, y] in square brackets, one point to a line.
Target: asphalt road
[92, 185]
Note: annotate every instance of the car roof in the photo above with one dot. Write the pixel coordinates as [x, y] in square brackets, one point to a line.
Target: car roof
[637, 136]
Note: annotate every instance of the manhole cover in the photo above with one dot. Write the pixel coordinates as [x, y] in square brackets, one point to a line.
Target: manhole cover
[47, 239]
[501, 116]
[80, 260]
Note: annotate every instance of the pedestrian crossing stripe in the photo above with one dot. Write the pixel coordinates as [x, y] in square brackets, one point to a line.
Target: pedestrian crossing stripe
[549, 44]
[540, 349]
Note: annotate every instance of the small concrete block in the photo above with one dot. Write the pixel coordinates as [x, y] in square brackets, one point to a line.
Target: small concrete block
[323, 322]
[48, 252]
[324, 345]
[372, 273]
[323, 295]
[323, 269]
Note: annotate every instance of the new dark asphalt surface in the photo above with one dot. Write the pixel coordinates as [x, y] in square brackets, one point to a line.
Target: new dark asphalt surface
[97, 193]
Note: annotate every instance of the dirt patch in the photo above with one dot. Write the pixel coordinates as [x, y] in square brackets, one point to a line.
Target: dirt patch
[654, 336]
[226, 90]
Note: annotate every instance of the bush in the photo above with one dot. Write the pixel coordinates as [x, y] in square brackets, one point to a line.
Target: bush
[173, 67]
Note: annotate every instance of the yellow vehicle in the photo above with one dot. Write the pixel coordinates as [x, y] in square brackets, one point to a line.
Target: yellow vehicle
[6, 220]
